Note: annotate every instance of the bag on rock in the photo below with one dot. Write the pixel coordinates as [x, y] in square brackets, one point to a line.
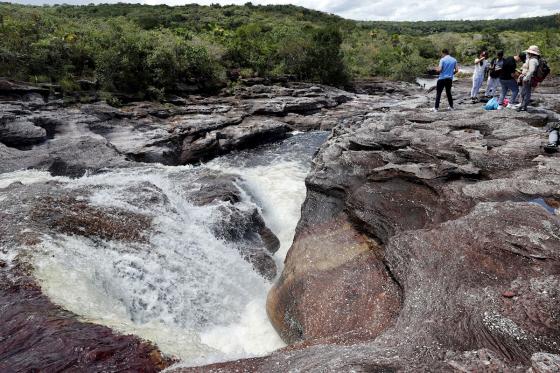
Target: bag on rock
[492, 104]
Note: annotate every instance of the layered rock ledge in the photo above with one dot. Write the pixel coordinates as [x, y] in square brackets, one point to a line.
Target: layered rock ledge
[428, 242]
[72, 140]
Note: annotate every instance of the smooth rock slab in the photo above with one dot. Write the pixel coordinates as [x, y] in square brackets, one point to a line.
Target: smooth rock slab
[21, 133]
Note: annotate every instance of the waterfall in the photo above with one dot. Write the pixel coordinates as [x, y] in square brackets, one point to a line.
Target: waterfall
[182, 287]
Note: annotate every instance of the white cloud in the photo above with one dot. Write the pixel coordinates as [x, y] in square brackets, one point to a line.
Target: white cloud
[401, 10]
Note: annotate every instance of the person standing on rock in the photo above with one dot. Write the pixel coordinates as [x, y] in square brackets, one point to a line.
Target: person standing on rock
[480, 66]
[529, 68]
[447, 68]
[494, 74]
[507, 79]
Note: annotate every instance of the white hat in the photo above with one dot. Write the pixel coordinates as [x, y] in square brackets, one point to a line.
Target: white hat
[533, 49]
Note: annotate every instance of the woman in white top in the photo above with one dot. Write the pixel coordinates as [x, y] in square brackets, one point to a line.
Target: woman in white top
[480, 66]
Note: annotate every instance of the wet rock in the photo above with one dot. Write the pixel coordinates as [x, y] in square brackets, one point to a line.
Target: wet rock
[200, 124]
[141, 140]
[545, 363]
[77, 156]
[243, 227]
[71, 216]
[214, 187]
[248, 133]
[378, 86]
[104, 112]
[39, 335]
[12, 89]
[20, 133]
[483, 360]
[187, 131]
[434, 212]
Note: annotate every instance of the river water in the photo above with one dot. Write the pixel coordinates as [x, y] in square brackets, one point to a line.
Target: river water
[185, 289]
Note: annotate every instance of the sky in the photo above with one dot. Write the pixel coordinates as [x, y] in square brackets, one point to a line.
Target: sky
[398, 10]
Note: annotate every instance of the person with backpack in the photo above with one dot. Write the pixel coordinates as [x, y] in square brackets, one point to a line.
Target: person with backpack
[447, 68]
[494, 74]
[528, 72]
[507, 79]
[480, 66]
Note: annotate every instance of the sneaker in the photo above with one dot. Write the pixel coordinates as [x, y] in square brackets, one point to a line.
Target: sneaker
[510, 106]
[551, 148]
[435, 109]
[521, 109]
[500, 107]
[451, 109]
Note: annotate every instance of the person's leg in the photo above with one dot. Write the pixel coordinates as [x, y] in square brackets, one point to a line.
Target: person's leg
[439, 89]
[473, 87]
[522, 95]
[489, 86]
[477, 85]
[492, 86]
[497, 86]
[514, 90]
[448, 84]
[526, 94]
[503, 93]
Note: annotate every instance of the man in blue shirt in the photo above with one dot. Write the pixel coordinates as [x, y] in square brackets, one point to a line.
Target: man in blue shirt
[446, 69]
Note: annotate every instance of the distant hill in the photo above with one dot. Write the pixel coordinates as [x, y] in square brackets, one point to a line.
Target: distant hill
[497, 25]
[156, 50]
[198, 16]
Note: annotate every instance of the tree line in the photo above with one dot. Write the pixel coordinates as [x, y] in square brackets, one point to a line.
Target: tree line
[154, 50]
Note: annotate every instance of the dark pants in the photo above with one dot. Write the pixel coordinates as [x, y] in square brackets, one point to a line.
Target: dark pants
[444, 83]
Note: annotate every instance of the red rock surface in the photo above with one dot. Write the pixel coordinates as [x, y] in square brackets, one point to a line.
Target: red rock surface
[39, 336]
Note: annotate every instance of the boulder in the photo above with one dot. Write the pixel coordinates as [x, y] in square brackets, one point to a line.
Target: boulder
[14, 90]
[20, 133]
[251, 132]
[244, 228]
[76, 156]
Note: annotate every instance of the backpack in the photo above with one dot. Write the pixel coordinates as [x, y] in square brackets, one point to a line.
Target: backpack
[542, 71]
[492, 104]
[492, 71]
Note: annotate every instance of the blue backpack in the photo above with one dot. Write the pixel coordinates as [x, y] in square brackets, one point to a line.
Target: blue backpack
[492, 104]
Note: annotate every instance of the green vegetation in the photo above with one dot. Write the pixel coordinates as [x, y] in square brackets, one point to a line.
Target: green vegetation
[154, 50]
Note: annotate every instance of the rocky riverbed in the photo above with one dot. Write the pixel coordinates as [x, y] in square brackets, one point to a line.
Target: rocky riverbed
[427, 241]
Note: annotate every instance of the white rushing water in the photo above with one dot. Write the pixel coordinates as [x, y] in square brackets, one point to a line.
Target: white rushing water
[184, 289]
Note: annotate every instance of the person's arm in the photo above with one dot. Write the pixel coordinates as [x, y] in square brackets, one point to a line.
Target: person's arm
[456, 70]
[438, 69]
[477, 60]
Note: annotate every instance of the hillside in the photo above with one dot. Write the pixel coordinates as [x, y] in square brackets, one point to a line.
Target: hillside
[155, 50]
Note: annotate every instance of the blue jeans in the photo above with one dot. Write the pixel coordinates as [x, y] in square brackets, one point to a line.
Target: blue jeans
[526, 94]
[492, 87]
[508, 84]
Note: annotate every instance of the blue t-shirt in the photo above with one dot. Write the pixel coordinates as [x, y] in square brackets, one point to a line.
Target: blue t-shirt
[447, 65]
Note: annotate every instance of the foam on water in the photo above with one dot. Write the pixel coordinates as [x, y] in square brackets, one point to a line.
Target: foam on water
[27, 177]
[275, 179]
[186, 290]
